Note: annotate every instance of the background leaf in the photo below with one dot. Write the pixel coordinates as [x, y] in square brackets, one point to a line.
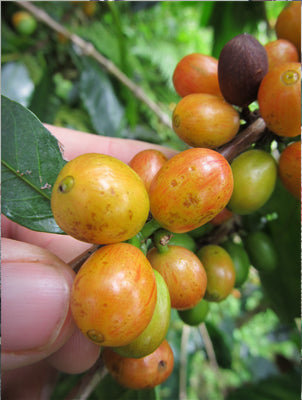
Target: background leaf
[31, 160]
[280, 217]
[16, 82]
[282, 286]
[100, 100]
[278, 387]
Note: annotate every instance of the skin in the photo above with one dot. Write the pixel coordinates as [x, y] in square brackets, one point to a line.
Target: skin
[31, 363]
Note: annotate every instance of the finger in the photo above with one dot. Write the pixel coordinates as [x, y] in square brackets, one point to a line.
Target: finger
[63, 246]
[75, 143]
[36, 317]
[76, 356]
[34, 382]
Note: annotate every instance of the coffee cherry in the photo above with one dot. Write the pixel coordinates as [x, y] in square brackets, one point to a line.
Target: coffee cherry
[99, 199]
[279, 99]
[280, 51]
[184, 240]
[261, 251]
[289, 168]
[242, 65]
[288, 25]
[140, 373]
[156, 331]
[89, 8]
[190, 189]
[114, 295]
[147, 163]
[196, 73]
[224, 216]
[220, 272]
[205, 120]
[24, 23]
[255, 174]
[240, 260]
[196, 315]
[183, 272]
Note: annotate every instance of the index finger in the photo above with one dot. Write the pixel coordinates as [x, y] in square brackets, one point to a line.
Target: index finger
[76, 142]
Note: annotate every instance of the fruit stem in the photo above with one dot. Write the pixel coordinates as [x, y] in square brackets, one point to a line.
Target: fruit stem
[139, 242]
[149, 228]
[161, 239]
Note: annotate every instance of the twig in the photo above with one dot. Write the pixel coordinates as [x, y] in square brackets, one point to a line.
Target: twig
[208, 346]
[212, 357]
[88, 382]
[77, 262]
[88, 49]
[183, 362]
[243, 140]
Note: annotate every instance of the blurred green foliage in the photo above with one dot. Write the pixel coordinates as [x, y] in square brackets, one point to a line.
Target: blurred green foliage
[145, 40]
[64, 87]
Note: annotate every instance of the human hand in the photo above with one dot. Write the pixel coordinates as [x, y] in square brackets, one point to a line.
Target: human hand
[39, 336]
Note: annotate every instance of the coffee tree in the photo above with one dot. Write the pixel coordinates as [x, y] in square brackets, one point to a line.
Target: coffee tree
[186, 250]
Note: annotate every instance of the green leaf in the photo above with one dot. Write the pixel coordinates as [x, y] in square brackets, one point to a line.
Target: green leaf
[233, 18]
[110, 389]
[282, 286]
[44, 104]
[31, 160]
[221, 345]
[277, 387]
[100, 100]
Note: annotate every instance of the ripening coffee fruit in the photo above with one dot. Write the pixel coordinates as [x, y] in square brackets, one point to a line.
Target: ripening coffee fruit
[196, 73]
[190, 189]
[280, 51]
[24, 23]
[183, 273]
[147, 163]
[205, 120]
[242, 65]
[220, 270]
[99, 199]
[255, 174]
[114, 295]
[156, 330]
[288, 25]
[279, 99]
[289, 168]
[140, 373]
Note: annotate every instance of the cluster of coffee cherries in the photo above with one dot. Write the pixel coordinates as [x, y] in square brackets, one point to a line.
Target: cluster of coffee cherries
[145, 216]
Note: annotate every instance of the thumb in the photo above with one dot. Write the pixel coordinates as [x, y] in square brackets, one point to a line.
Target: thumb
[36, 317]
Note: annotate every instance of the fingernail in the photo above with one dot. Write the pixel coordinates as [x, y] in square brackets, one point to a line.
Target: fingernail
[35, 303]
